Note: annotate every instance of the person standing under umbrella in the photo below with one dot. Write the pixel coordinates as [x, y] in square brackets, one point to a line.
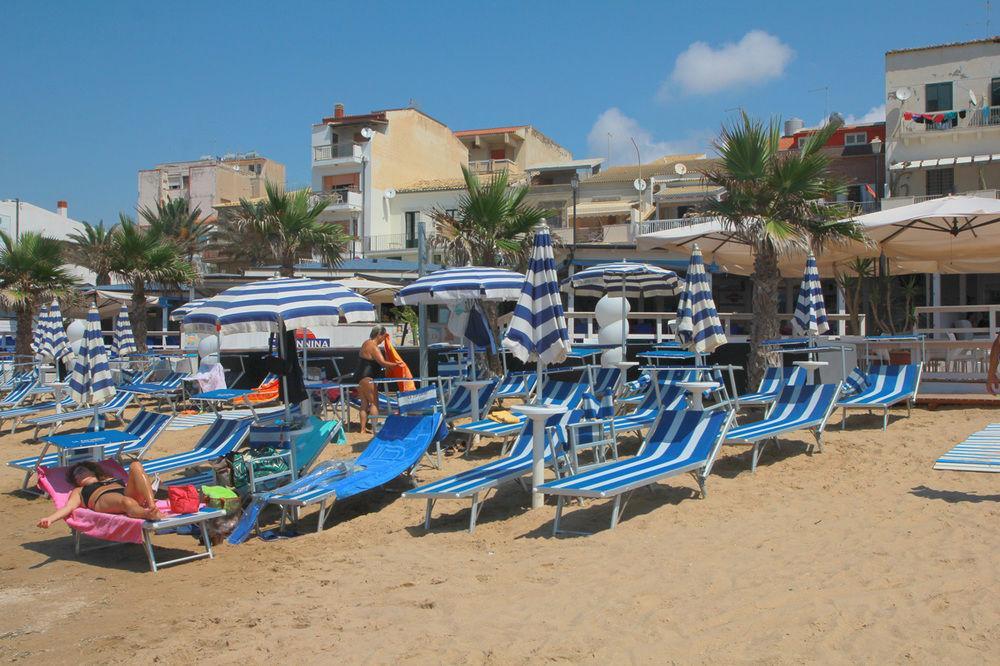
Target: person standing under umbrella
[371, 361]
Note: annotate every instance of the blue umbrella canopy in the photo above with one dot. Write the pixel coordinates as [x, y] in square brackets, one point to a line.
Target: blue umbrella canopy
[638, 279]
[810, 310]
[698, 327]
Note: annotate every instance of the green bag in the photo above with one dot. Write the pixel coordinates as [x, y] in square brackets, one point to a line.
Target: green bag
[220, 497]
[263, 461]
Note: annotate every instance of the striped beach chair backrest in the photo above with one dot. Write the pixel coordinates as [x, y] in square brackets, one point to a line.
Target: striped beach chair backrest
[685, 434]
[886, 380]
[420, 401]
[147, 426]
[605, 381]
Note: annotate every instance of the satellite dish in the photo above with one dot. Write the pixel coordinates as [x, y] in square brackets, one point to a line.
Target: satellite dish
[389, 193]
[367, 132]
[903, 94]
[236, 168]
[972, 98]
[639, 184]
[680, 169]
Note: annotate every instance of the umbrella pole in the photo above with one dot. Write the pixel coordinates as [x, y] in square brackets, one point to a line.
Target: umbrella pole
[284, 381]
[624, 320]
[541, 378]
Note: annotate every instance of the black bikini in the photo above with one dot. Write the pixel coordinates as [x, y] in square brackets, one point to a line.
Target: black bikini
[88, 490]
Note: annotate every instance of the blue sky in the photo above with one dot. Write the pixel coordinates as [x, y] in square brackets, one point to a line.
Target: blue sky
[95, 91]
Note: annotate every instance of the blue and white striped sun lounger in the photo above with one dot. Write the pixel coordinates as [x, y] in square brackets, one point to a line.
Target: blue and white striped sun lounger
[221, 438]
[472, 483]
[516, 385]
[17, 414]
[803, 407]
[19, 393]
[172, 382]
[682, 441]
[980, 452]
[774, 380]
[887, 385]
[570, 394]
[146, 425]
[113, 408]
[395, 450]
[459, 406]
[670, 398]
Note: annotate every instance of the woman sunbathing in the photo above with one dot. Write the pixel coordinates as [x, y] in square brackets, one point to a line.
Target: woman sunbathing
[99, 491]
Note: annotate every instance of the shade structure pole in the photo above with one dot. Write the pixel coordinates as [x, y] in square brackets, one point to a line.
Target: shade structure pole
[538, 444]
[422, 308]
[284, 377]
[539, 370]
[624, 319]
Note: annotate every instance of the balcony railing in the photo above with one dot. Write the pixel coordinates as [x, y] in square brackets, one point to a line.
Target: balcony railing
[988, 116]
[652, 226]
[390, 243]
[338, 196]
[335, 151]
[490, 166]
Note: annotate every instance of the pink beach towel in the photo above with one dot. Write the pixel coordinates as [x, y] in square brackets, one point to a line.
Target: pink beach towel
[107, 526]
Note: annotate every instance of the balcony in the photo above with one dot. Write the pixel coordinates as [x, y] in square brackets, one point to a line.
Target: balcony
[386, 243]
[341, 199]
[663, 225]
[491, 166]
[896, 202]
[337, 153]
[974, 120]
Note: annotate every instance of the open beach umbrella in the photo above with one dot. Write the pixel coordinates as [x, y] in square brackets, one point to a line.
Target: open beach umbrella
[91, 382]
[278, 305]
[698, 327]
[627, 278]
[538, 331]
[810, 310]
[124, 340]
[178, 313]
[467, 283]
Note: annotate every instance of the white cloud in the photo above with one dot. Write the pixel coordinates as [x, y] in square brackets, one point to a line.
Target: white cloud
[701, 69]
[876, 114]
[622, 127]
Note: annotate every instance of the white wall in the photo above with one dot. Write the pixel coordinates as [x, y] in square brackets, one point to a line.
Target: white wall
[39, 220]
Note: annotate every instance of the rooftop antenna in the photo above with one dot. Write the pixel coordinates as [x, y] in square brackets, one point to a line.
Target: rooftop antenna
[826, 102]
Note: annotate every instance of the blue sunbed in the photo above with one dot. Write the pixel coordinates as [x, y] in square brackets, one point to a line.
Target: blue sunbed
[885, 386]
[774, 380]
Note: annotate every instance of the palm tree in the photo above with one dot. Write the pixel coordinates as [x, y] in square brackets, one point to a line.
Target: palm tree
[93, 247]
[173, 219]
[491, 225]
[286, 224]
[32, 272]
[773, 204]
[142, 255]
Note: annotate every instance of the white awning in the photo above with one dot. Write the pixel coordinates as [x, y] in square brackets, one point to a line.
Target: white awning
[943, 162]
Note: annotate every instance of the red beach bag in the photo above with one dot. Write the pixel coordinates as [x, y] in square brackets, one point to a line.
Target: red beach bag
[183, 499]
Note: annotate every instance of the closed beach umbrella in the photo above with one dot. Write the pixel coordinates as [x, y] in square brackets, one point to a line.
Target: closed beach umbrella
[538, 331]
[38, 334]
[810, 310]
[698, 327]
[91, 382]
[124, 340]
[55, 333]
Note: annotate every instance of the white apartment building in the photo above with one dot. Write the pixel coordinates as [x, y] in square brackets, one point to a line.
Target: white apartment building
[209, 181]
[942, 120]
[17, 217]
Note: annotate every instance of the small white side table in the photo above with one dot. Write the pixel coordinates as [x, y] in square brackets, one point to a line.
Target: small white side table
[538, 414]
[810, 367]
[696, 390]
[474, 385]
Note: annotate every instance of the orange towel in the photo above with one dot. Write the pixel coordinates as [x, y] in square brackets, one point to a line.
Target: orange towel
[263, 393]
[401, 371]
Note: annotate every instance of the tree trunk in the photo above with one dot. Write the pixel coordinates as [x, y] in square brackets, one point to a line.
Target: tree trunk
[22, 346]
[139, 314]
[102, 280]
[766, 280]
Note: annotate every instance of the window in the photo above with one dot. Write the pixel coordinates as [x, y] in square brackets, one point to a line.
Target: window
[855, 138]
[937, 97]
[995, 92]
[451, 212]
[801, 141]
[411, 228]
[940, 181]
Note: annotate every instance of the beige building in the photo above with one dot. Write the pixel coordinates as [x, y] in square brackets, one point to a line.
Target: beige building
[942, 120]
[517, 148]
[209, 181]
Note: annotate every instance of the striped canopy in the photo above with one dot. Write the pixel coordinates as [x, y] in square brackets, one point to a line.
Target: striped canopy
[180, 312]
[53, 341]
[91, 381]
[698, 326]
[460, 284]
[638, 279]
[270, 305]
[538, 326]
[810, 310]
[124, 340]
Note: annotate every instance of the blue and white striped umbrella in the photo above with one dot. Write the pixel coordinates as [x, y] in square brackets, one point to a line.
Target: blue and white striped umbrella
[810, 310]
[637, 279]
[124, 340]
[178, 313]
[56, 342]
[462, 284]
[538, 327]
[91, 382]
[698, 327]
[270, 305]
[38, 333]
